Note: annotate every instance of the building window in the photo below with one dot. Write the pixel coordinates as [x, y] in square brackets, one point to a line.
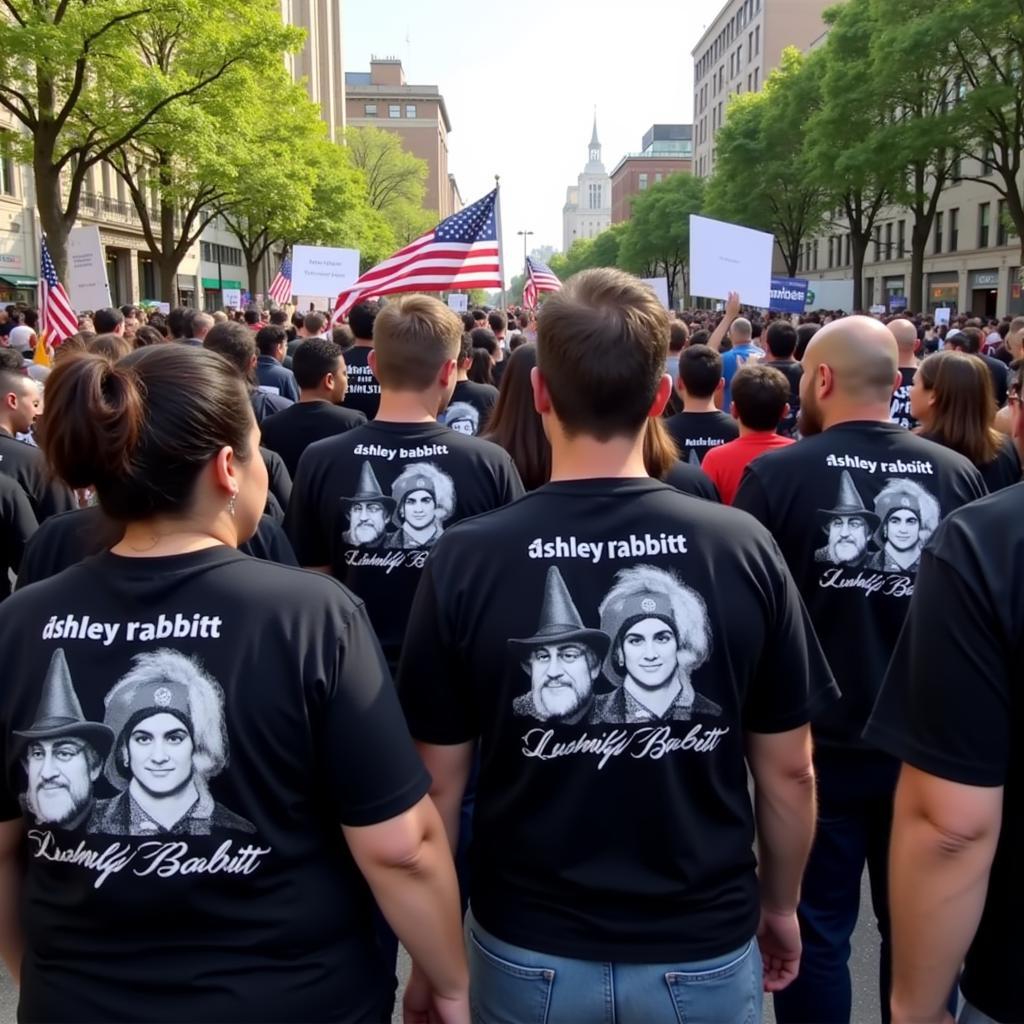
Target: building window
[394, 110]
[814, 255]
[848, 255]
[1002, 232]
[757, 40]
[643, 181]
[878, 243]
[595, 196]
[984, 210]
[6, 176]
[226, 255]
[750, 46]
[937, 247]
[410, 110]
[657, 176]
[901, 245]
[957, 168]
[757, 74]
[888, 241]
[987, 162]
[954, 229]
[370, 110]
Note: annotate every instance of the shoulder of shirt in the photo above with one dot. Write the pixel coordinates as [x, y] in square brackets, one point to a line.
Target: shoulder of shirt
[980, 523]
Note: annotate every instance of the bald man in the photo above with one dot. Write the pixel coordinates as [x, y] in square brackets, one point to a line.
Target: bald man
[905, 334]
[852, 467]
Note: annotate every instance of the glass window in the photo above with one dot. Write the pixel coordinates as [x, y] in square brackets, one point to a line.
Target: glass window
[757, 40]
[814, 255]
[888, 241]
[937, 247]
[901, 245]
[1002, 231]
[984, 211]
[395, 110]
[643, 181]
[954, 229]
[370, 110]
[410, 110]
[848, 244]
[957, 168]
[7, 176]
[757, 75]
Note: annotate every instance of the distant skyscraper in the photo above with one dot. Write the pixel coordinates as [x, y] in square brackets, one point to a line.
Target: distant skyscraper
[320, 60]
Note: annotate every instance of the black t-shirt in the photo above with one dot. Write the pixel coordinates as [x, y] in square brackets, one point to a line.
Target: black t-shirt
[851, 509]
[1000, 378]
[279, 482]
[696, 433]
[265, 404]
[17, 525]
[690, 479]
[291, 431]
[792, 371]
[198, 872]
[470, 407]
[363, 391]
[25, 464]
[68, 538]
[899, 409]
[642, 634]
[1004, 470]
[949, 707]
[371, 503]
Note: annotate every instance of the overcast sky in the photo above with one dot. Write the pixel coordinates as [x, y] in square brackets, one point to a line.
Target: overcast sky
[523, 108]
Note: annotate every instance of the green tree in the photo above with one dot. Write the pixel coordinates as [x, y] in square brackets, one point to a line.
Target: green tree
[78, 76]
[761, 177]
[656, 239]
[565, 264]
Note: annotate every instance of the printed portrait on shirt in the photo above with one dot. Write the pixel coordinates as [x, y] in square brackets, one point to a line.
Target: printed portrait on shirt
[660, 634]
[367, 511]
[424, 497]
[907, 516]
[463, 417]
[848, 528]
[562, 659]
[62, 754]
[166, 717]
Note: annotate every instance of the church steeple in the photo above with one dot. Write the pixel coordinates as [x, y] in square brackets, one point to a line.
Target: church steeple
[594, 150]
[594, 144]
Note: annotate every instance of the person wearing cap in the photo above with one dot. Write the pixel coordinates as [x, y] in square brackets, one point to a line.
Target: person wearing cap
[167, 719]
[848, 525]
[62, 753]
[424, 498]
[660, 635]
[908, 516]
[367, 510]
[563, 659]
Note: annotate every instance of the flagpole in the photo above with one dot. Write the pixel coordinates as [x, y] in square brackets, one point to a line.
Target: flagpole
[501, 250]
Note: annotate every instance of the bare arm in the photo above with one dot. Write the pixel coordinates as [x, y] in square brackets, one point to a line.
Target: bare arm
[944, 837]
[449, 768]
[408, 865]
[732, 310]
[12, 940]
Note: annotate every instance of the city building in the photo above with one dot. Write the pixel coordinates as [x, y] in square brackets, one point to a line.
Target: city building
[740, 48]
[320, 60]
[381, 98]
[588, 204]
[666, 149]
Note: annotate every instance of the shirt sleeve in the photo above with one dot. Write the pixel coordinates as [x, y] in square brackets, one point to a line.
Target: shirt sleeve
[304, 522]
[512, 485]
[373, 771]
[793, 681]
[751, 497]
[432, 680]
[19, 522]
[279, 478]
[945, 705]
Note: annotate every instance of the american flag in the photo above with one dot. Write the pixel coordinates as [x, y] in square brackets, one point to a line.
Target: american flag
[460, 253]
[57, 320]
[281, 287]
[539, 278]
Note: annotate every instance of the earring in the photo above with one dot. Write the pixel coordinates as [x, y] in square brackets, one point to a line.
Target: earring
[232, 503]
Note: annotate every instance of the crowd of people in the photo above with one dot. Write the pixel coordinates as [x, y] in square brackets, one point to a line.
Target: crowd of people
[591, 654]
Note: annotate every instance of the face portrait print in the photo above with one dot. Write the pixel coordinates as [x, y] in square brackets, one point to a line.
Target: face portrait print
[908, 515]
[847, 539]
[649, 653]
[848, 527]
[423, 497]
[366, 521]
[562, 679]
[463, 417]
[61, 773]
[160, 754]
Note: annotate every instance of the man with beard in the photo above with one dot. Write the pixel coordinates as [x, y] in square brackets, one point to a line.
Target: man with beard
[367, 510]
[563, 659]
[849, 448]
[64, 754]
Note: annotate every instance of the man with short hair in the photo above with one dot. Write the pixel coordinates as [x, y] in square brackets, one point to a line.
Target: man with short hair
[498, 323]
[834, 480]
[701, 425]
[19, 406]
[271, 376]
[200, 324]
[433, 475]
[319, 369]
[471, 403]
[313, 325]
[780, 340]
[905, 334]
[612, 823]
[969, 340]
[363, 393]
[252, 319]
[22, 337]
[760, 402]
[236, 343]
[743, 350]
[177, 323]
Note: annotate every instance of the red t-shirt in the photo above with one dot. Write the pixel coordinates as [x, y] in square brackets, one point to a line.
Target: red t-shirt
[725, 464]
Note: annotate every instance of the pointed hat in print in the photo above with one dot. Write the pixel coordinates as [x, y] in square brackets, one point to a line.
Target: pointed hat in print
[560, 622]
[369, 490]
[60, 714]
[849, 502]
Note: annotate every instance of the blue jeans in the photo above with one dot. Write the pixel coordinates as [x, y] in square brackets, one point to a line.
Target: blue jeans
[512, 985]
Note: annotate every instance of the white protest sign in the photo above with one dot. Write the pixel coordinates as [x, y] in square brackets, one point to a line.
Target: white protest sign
[163, 307]
[87, 270]
[877, 309]
[232, 298]
[322, 270]
[458, 302]
[728, 258]
[660, 288]
[942, 316]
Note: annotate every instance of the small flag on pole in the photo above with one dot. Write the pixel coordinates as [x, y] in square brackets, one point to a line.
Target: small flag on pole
[57, 320]
[462, 252]
[281, 287]
[539, 278]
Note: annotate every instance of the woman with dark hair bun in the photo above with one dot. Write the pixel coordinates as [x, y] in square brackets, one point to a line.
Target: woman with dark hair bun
[185, 728]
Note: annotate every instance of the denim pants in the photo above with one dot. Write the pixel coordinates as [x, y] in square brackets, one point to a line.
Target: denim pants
[855, 791]
[512, 985]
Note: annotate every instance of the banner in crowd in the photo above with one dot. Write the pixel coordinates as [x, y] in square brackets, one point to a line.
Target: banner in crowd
[87, 270]
[897, 303]
[789, 294]
[232, 298]
[660, 287]
[942, 316]
[321, 270]
[729, 258]
[458, 301]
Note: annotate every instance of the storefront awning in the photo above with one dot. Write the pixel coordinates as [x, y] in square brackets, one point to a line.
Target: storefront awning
[19, 280]
[213, 284]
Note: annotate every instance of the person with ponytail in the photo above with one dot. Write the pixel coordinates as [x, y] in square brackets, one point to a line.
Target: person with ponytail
[207, 776]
